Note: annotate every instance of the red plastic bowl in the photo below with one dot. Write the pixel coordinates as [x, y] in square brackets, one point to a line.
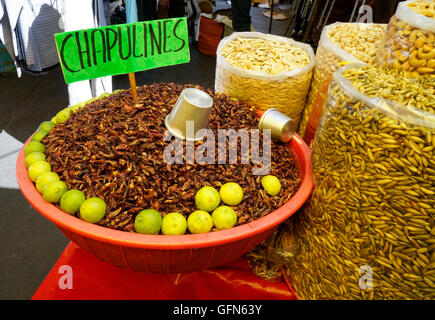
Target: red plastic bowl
[170, 254]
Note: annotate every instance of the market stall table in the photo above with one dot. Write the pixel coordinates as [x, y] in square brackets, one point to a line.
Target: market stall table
[95, 279]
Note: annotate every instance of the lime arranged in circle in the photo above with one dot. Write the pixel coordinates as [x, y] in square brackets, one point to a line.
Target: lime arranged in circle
[93, 209]
[71, 201]
[174, 223]
[77, 107]
[34, 146]
[231, 193]
[38, 168]
[39, 135]
[224, 217]
[207, 199]
[199, 222]
[33, 157]
[63, 115]
[44, 179]
[148, 221]
[91, 100]
[46, 125]
[54, 190]
[271, 184]
[104, 95]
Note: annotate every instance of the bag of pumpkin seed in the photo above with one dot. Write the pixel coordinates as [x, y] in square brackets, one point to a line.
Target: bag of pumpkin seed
[368, 230]
[266, 71]
[409, 43]
[339, 42]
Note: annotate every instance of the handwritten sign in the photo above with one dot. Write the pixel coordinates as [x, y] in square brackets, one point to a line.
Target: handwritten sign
[118, 49]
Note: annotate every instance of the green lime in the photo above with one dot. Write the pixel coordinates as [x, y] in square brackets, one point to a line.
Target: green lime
[77, 107]
[63, 115]
[224, 217]
[93, 209]
[44, 179]
[34, 146]
[72, 200]
[174, 223]
[207, 199]
[33, 157]
[38, 168]
[53, 120]
[117, 90]
[54, 190]
[271, 184]
[38, 135]
[46, 125]
[148, 221]
[104, 95]
[199, 222]
[91, 100]
[231, 193]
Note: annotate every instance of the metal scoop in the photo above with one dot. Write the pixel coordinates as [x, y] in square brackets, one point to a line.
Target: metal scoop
[190, 115]
[282, 127]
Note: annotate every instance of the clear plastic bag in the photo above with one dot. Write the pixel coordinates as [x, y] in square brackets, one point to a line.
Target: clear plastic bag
[368, 230]
[409, 43]
[285, 91]
[355, 42]
[267, 259]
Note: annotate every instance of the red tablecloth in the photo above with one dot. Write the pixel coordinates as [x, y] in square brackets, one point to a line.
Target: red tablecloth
[94, 279]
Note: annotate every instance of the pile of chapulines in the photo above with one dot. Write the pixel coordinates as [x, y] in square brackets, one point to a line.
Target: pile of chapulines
[113, 149]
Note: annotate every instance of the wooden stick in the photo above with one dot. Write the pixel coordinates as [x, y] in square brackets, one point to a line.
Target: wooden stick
[271, 16]
[132, 80]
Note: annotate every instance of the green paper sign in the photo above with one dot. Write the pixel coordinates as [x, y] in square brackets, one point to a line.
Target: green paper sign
[119, 49]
